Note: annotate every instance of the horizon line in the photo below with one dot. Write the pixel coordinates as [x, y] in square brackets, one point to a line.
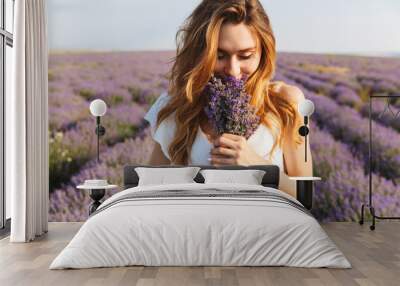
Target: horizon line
[388, 54]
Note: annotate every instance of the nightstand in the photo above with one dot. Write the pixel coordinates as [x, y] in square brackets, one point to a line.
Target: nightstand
[304, 190]
[96, 192]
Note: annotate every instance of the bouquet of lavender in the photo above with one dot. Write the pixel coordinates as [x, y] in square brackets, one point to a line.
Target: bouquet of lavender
[228, 108]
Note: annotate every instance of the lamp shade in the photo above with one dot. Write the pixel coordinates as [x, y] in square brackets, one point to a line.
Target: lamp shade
[306, 107]
[98, 107]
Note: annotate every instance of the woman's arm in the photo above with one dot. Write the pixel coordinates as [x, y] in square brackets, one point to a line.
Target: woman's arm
[158, 157]
[293, 154]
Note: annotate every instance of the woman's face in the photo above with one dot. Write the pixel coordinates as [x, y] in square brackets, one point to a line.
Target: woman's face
[238, 54]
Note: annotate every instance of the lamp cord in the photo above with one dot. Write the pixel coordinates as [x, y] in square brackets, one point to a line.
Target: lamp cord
[305, 148]
[98, 145]
[98, 138]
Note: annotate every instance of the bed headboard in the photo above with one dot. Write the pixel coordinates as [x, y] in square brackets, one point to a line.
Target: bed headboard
[270, 179]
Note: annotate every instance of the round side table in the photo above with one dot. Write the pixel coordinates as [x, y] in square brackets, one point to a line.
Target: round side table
[96, 193]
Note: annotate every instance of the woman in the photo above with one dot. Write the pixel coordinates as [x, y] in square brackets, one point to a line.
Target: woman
[230, 38]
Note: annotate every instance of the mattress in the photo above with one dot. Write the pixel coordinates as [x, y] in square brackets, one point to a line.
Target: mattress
[201, 225]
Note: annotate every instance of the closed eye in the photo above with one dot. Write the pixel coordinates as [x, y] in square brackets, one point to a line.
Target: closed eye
[220, 57]
[246, 57]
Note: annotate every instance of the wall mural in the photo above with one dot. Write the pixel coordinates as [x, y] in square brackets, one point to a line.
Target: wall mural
[129, 82]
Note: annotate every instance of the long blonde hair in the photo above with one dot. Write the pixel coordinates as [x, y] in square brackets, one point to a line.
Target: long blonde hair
[197, 45]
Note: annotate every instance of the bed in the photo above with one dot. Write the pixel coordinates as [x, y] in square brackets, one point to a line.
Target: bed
[198, 224]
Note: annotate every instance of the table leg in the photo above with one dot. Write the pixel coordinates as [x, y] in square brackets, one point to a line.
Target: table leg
[96, 195]
[304, 192]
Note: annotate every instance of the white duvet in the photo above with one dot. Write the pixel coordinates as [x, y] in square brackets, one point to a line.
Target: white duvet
[182, 231]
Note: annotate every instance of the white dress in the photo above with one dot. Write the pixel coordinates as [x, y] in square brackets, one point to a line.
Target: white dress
[261, 140]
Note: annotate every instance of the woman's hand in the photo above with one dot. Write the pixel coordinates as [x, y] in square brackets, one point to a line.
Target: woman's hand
[230, 149]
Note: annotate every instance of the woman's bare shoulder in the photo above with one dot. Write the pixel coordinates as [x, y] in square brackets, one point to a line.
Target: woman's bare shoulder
[291, 93]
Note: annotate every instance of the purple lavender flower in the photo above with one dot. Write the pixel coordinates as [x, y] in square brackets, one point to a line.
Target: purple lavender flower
[228, 108]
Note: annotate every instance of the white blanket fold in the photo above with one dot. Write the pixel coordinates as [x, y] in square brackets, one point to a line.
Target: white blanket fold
[201, 224]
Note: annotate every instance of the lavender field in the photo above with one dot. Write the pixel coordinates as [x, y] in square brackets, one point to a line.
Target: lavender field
[129, 82]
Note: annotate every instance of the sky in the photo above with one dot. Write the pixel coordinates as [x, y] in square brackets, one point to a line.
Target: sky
[312, 26]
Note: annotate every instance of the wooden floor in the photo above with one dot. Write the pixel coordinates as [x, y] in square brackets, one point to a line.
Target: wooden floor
[374, 255]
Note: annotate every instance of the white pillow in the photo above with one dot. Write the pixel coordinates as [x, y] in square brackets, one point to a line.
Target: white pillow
[249, 177]
[162, 176]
